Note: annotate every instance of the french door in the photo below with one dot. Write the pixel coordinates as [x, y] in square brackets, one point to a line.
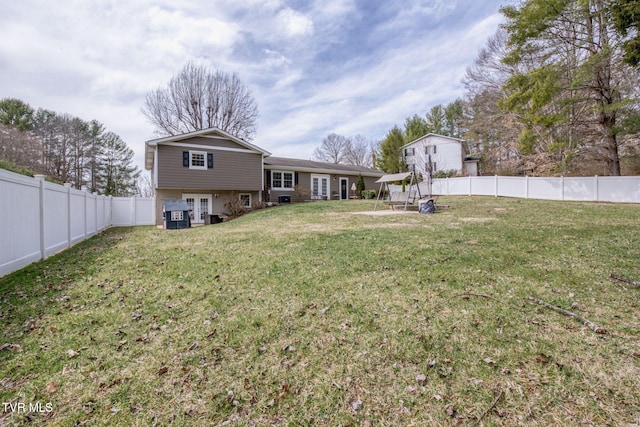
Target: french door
[200, 205]
[320, 187]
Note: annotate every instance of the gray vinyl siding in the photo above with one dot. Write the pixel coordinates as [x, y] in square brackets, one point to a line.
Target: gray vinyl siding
[304, 186]
[217, 203]
[231, 170]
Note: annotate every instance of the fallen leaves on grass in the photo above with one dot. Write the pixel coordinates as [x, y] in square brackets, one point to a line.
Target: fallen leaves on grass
[11, 347]
[51, 387]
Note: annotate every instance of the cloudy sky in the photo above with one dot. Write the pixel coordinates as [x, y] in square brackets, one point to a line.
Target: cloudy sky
[314, 66]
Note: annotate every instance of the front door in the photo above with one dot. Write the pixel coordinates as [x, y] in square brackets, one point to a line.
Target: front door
[344, 188]
[200, 205]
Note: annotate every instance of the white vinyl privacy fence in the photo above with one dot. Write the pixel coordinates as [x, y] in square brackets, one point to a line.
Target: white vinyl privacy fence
[617, 189]
[38, 218]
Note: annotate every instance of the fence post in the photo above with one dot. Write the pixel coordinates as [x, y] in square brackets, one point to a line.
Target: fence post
[133, 211]
[40, 178]
[95, 212]
[561, 187]
[153, 208]
[470, 185]
[496, 186]
[85, 214]
[595, 189]
[67, 185]
[526, 186]
[446, 184]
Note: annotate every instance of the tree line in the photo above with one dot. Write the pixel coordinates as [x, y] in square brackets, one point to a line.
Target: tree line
[66, 149]
[554, 91]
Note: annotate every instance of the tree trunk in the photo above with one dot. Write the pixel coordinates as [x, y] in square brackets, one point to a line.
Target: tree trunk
[612, 158]
[607, 93]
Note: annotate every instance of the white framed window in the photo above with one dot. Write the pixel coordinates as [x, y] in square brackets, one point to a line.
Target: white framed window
[177, 215]
[246, 200]
[408, 152]
[198, 160]
[282, 180]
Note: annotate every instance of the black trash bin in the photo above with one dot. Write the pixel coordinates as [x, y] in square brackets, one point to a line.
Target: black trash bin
[426, 206]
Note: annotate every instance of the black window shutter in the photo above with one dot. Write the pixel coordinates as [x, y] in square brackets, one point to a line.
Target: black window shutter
[185, 159]
[268, 178]
[295, 179]
[209, 160]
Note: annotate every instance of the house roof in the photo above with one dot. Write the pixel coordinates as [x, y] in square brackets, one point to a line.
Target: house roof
[284, 163]
[151, 144]
[435, 135]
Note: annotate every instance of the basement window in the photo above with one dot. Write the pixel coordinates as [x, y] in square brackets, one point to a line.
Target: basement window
[246, 200]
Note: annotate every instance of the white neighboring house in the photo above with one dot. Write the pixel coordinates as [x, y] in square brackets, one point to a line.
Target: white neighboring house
[438, 153]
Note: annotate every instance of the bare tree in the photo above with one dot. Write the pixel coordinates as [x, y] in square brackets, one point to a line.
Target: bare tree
[492, 130]
[198, 98]
[359, 152]
[334, 149]
[144, 187]
[19, 147]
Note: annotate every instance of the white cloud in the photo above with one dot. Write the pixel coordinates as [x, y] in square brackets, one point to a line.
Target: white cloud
[180, 32]
[312, 66]
[294, 24]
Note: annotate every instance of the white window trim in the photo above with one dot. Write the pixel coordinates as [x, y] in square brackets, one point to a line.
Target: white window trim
[204, 154]
[282, 187]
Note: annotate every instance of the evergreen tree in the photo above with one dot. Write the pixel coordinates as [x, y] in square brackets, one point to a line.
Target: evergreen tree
[390, 159]
[16, 113]
[415, 127]
[570, 77]
[436, 119]
[116, 174]
[360, 186]
[626, 18]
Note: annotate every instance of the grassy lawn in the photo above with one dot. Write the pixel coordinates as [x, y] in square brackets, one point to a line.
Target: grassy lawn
[311, 314]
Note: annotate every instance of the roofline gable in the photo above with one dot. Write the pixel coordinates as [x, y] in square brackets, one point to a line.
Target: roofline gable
[204, 133]
[458, 140]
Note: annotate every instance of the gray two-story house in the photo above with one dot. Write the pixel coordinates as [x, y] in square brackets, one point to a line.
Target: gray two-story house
[204, 167]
